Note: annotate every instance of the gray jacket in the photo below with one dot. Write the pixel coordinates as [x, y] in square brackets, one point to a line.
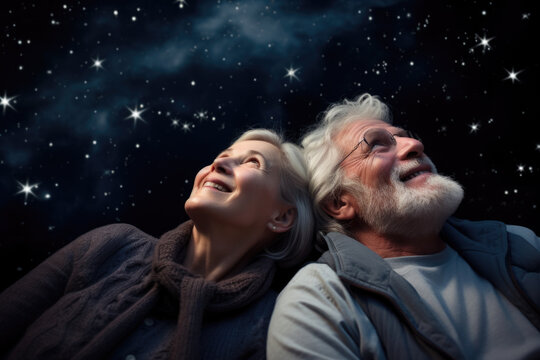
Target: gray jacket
[505, 258]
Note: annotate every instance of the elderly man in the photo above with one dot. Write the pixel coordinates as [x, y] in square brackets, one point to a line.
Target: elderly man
[400, 277]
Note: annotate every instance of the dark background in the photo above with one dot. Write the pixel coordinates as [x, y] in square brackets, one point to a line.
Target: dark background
[205, 71]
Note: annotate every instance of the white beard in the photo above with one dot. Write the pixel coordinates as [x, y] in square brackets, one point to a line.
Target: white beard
[401, 210]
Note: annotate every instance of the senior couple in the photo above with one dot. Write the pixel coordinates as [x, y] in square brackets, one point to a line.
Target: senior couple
[398, 277]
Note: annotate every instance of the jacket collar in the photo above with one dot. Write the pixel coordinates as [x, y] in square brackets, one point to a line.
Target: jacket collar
[360, 265]
[488, 236]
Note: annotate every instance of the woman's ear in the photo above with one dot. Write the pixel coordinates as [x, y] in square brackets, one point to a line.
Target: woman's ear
[283, 220]
[342, 208]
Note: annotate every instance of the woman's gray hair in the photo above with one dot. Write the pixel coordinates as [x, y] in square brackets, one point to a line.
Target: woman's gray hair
[323, 154]
[296, 244]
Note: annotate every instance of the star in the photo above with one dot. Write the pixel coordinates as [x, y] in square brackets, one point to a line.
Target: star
[175, 123]
[512, 75]
[136, 115]
[5, 101]
[26, 189]
[98, 63]
[484, 42]
[474, 127]
[521, 168]
[181, 3]
[525, 16]
[291, 73]
[201, 115]
[186, 127]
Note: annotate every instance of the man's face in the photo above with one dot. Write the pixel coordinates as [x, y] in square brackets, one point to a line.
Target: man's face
[396, 186]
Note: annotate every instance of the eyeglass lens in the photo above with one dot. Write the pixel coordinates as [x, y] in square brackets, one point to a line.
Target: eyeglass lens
[378, 137]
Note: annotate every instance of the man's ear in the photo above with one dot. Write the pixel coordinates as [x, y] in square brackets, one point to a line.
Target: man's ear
[342, 208]
[283, 220]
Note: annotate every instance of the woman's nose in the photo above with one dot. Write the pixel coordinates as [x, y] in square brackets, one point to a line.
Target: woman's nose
[222, 165]
[409, 148]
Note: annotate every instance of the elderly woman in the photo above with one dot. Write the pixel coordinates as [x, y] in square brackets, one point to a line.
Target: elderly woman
[201, 290]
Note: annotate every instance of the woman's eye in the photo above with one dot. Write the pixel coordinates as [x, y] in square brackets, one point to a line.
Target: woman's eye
[253, 161]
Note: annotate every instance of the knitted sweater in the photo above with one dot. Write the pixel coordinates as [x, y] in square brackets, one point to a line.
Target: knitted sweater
[116, 292]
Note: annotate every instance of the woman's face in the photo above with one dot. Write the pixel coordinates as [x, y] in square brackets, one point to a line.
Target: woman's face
[240, 188]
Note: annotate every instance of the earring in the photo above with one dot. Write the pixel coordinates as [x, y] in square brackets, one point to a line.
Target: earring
[274, 227]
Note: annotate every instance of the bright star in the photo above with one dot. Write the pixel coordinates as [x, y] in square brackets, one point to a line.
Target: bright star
[26, 189]
[512, 75]
[98, 63]
[521, 168]
[186, 127]
[201, 115]
[291, 73]
[181, 3]
[474, 127]
[5, 101]
[484, 42]
[175, 123]
[136, 115]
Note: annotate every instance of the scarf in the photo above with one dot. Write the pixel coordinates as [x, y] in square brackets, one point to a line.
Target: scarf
[195, 295]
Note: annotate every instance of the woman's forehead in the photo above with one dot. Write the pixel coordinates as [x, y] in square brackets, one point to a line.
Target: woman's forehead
[269, 151]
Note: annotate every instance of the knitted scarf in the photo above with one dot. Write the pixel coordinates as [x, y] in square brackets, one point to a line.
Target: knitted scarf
[195, 295]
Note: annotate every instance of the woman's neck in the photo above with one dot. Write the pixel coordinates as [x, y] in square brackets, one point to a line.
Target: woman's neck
[218, 253]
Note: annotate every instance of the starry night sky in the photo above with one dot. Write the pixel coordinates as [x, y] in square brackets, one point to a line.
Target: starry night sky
[109, 108]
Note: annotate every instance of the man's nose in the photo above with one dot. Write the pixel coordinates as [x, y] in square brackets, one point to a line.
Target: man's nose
[409, 148]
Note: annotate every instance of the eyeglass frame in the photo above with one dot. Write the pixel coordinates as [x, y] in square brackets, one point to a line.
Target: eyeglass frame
[409, 134]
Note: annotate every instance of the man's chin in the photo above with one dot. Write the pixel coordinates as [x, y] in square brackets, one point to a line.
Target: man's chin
[432, 205]
[419, 210]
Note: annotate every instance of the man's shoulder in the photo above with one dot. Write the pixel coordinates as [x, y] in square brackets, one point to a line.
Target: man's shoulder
[315, 270]
[313, 278]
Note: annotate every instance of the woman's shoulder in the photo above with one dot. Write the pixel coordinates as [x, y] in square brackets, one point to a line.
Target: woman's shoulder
[115, 234]
[111, 241]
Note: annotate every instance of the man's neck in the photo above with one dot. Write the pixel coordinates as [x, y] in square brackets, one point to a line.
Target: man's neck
[396, 245]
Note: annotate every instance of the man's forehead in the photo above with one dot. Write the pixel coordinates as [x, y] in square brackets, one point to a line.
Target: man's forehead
[355, 129]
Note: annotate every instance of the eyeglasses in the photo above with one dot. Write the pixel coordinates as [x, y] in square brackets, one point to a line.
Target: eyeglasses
[381, 139]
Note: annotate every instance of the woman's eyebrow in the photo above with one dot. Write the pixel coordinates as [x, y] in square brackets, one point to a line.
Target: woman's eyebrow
[224, 152]
[248, 153]
[255, 152]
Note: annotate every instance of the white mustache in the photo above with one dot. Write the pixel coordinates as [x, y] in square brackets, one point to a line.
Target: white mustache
[411, 164]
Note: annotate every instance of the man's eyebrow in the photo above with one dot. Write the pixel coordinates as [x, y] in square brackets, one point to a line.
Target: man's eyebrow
[400, 131]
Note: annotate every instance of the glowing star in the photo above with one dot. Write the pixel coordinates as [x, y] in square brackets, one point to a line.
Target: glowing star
[98, 63]
[186, 127]
[521, 168]
[512, 75]
[181, 3]
[136, 115]
[201, 115]
[5, 101]
[26, 189]
[291, 73]
[175, 123]
[474, 127]
[484, 42]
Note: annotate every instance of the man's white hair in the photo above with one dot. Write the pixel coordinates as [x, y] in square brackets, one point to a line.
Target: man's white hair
[322, 153]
